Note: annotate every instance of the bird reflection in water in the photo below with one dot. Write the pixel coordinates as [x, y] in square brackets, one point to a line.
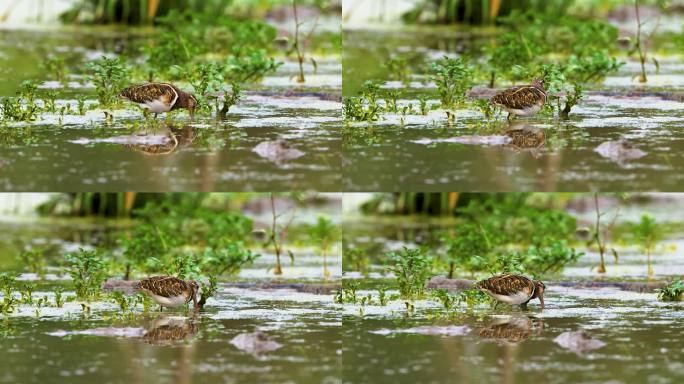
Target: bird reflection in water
[166, 330]
[526, 137]
[511, 329]
[164, 141]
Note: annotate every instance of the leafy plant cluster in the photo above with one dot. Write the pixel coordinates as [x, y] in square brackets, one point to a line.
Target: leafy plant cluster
[493, 230]
[674, 291]
[411, 268]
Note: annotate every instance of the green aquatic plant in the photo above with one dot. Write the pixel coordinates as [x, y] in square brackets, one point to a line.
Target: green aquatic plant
[364, 107]
[50, 101]
[207, 291]
[648, 234]
[109, 77]
[472, 297]
[443, 296]
[27, 293]
[81, 105]
[8, 305]
[87, 271]
[423, 105]
[7, 282]
[485, 107]
[674, 291]
[356, 259]
[398, 69]
[59, 297]
[391, 100]
[454, 79]
[464, 245]
[55, 66]
[33, 261]
[411, 268]
[600, 234]
[126, 303]
[349, 288]
[324, 233]
[382, 295]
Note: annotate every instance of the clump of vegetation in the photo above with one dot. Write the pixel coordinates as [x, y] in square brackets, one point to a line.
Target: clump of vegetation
[109, 77]
[411, 268]
[27, 293]
[468, 243]
[23, 107]
[33, 260]
[356, 259]
[364, 107]
[56, 67]
[324, 233]
[87, 271]
[443, 296]
[454, 79]
[398, 69]
[674, 291]
[647, 234]
[472, 297]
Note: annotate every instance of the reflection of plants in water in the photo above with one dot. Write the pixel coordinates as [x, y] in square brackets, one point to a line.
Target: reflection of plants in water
[647, 233]
[674, 291]
[109, 76]
[87, 271]
[360, 135]
[453, 78]
[411, 268]
[323, 234]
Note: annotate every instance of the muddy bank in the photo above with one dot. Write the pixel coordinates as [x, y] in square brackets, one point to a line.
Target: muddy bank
[457, 285]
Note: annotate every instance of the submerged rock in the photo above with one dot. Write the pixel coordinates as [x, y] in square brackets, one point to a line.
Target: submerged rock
[255, 343]
[578, 341]
[619, 151]
[277, 151]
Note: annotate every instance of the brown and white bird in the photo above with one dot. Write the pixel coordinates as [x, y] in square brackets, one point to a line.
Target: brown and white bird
[524, 100]
[160, 97]
[169, 291]
[513, 289]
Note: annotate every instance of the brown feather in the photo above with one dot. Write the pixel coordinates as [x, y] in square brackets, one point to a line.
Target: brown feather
[149, 92]
[521, 97]
[507, 284]
[165, 286]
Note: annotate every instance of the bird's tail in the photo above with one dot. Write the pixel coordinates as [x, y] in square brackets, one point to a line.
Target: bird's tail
[128, 287]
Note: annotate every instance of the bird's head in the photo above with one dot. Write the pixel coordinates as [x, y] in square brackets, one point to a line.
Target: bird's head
[539, 291]
[539, 82]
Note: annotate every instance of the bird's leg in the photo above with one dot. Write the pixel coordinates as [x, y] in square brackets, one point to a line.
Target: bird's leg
[155, 116]
[161, 308]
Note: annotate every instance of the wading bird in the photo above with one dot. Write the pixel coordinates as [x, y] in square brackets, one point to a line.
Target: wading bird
[513, 289]
[169, 291]
[160, 97]
[524, 100]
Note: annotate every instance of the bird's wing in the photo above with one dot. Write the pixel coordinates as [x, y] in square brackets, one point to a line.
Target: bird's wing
[151, 92]
[165, 286]
[519, 97]
[507, 284]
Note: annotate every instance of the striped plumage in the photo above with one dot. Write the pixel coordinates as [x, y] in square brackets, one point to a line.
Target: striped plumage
[160, 97]
[169, 291]
[525, 100]
[167, 330]
[513, 289]
[527, 137]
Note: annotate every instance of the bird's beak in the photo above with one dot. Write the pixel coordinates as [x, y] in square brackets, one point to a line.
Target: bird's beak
[541, 299]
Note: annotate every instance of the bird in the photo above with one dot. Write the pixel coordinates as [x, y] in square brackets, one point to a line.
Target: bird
[522, 100]
[169, 291]
[166, 330]
[513, 289]
[160, 97]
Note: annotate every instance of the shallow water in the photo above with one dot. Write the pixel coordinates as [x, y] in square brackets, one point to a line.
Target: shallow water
[88, 153]
[177, 347]
[423, 153]
[642, 337]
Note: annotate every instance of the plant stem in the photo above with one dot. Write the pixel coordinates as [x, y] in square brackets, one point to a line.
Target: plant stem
[300, 54]
[278, 269]
[602, 266]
